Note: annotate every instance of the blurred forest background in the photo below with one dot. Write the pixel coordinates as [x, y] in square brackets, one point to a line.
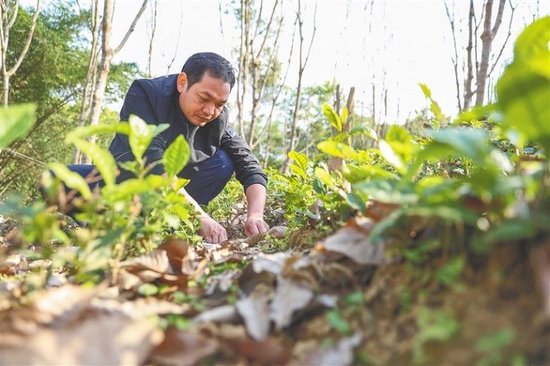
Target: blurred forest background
[75, 60]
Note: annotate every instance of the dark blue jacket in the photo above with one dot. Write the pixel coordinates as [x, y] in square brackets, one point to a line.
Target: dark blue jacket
[156, 101]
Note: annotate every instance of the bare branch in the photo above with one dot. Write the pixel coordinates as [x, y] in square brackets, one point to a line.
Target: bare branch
[25, 49]
[132, 27]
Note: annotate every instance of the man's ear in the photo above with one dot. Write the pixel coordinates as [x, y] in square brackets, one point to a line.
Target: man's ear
[181, 82]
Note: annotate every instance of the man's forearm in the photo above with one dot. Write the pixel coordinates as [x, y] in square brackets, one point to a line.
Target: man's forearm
[255, 198]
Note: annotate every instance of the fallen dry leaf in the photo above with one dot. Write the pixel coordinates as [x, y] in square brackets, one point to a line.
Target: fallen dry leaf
[352, 241]
[270, 351]
[183, 348]
[98, 339]
[254, 309]
[272, 263]
[340, 354]
[290, 296]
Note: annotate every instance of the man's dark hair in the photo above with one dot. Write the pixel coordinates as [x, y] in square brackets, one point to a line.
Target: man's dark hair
[214, 64]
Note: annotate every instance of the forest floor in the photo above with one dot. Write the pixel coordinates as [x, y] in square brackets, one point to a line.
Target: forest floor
[329, 300]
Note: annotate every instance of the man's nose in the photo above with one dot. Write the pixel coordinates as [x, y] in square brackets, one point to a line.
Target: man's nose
[209, 109]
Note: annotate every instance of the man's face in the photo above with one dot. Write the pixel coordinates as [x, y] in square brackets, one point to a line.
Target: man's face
[203, 101]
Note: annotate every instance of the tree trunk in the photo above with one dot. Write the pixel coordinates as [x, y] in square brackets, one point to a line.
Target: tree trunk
[487, 37]
[107, 53]
[153, 29]
[302, 66]
[8, 16]
[468, 94]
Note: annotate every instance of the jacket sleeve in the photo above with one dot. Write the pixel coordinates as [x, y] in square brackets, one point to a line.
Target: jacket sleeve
[247, 168]
[140, 101]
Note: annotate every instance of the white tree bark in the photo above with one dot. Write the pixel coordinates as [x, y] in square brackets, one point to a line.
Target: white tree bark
[8, 15]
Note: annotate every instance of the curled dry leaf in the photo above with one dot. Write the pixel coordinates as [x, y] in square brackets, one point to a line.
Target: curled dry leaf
[176, 250]
[183, 348]
[14, 264]
[378, 210]
[339, 355]
[270, 351]
[352, 241]
[272, 263]
[164, 265]
[290, 296]
[225, 313]
[254, 309]
[61, 304]
[278, 232]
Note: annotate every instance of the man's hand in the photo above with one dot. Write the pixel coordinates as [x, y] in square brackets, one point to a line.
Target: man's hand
[211, 230]
[255, 224]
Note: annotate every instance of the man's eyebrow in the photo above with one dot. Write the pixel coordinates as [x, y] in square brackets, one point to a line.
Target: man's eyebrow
[204, 92]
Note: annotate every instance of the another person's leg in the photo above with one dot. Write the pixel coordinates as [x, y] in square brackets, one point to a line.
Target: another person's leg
[208, 178]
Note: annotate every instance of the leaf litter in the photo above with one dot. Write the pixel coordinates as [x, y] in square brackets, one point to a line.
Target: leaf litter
[240, 305]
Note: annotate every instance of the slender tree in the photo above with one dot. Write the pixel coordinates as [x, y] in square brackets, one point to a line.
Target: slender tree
[303, 57]
[8, 15]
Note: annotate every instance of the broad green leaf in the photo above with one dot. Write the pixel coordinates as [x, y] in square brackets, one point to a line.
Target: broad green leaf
[469, 142]
[176, 156]
[385, 191]
[401, 143]
[299, 159]
[298, 171]
[71, 179]
[344, 114]
[364, 130]
[325, 177]
[390, 155]
[338, 149]
[523, 91]
[101, 158]
[131, 187]
[358, 173]
[434, 106]
[533, 40]
[15, 122]
[427, 92]
[332, 117]
[101, 129]
[523, 98]
[141, 135]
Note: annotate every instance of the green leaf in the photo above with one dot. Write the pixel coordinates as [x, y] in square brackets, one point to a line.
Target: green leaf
[336, 321]
[299, 159]
[148, 289]
[101, 158]
[176, 156]
[427, 92]
[332, 117]
[357, 173]
[131, 187]
[71, 179]
[101, 129]
[523, 91]
[15, 122]
[338, 149]
[533, 41]
[469, 142]
[344, 114]
[141, 135]
[390, 155]
[325, 177]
